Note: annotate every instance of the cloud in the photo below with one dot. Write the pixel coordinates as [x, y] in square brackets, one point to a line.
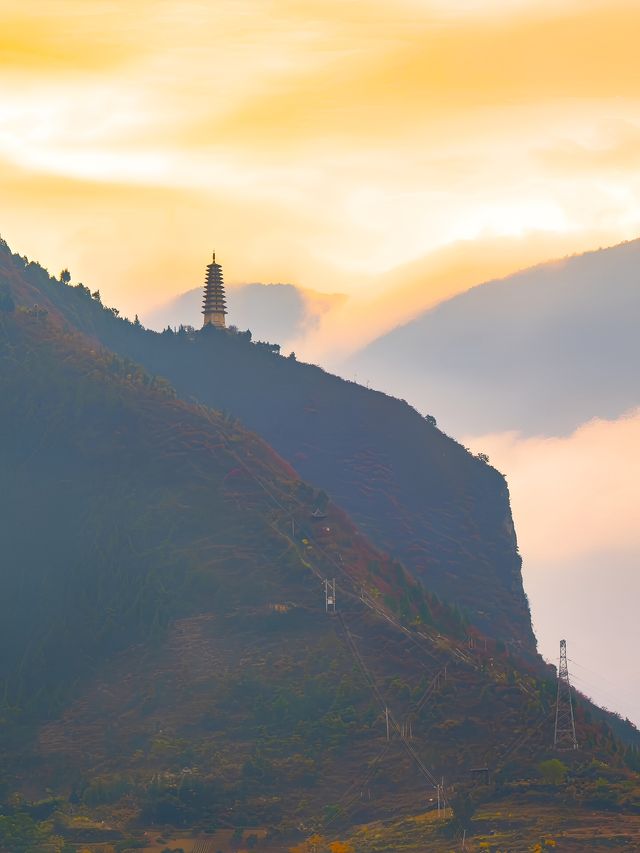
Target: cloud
[615, 150]
[575, 505]
[140, 244]
[575, 495]
[410, 82]
[344, 146]
[591, 601]
[62, 36]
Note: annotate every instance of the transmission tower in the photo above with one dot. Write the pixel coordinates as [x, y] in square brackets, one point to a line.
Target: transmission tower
[564, 736]
[330, 595]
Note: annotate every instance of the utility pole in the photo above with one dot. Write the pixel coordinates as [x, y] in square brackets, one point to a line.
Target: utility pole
[564, 735]
[386, 716]
[330, 595]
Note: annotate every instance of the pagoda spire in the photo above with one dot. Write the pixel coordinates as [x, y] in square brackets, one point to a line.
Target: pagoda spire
[214, 305]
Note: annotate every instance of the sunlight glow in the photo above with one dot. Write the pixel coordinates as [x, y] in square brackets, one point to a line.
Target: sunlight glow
[327, 144]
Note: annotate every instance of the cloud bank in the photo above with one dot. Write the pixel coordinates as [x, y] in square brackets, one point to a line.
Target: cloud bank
[575, 502]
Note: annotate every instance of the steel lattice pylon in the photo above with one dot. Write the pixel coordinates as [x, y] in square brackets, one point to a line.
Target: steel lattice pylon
[564, 735]
[330, 596]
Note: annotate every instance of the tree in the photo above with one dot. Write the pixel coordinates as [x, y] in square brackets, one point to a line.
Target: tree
[322, 500]
[65, 276]
[553, 771]
[463, 808]
[341, 847]
[315, 844]
[19, 833]
[431, 420]
[7, 303]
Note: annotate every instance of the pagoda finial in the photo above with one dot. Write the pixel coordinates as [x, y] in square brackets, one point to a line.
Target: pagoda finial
[214, 257]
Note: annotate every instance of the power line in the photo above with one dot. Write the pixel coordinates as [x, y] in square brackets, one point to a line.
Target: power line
[368, 601]
[608, 684]
[389, 718]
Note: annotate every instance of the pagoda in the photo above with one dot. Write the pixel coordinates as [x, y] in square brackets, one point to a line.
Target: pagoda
[214, 306]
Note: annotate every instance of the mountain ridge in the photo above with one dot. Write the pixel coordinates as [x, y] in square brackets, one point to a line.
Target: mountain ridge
[168, 660]
[274, 311]
[540, 351]
[414, 491]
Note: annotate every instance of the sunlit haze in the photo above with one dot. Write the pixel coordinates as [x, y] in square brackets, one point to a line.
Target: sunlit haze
[319, 143]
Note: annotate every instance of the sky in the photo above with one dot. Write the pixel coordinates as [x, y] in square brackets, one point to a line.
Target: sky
[328, 144]
[397, 151]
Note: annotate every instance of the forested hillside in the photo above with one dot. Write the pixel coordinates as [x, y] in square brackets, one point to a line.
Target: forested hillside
[122, 507]
[167, 655]
[416, 493]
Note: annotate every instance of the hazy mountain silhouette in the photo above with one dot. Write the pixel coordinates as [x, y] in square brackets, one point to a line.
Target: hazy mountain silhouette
[541, 351]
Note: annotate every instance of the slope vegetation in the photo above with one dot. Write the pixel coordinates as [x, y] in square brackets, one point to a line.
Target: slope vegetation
[416, 493]
[167, 654]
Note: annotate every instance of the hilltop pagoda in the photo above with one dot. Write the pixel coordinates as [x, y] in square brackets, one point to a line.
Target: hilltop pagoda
[214, 305]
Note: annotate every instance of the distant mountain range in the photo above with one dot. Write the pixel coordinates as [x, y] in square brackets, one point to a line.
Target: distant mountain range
[273, 312]
[541, 351]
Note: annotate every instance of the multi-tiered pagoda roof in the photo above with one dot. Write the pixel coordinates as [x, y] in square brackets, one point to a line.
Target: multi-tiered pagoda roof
[214, 305]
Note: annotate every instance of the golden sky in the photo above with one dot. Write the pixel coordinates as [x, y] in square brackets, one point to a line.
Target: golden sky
[351, 145]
